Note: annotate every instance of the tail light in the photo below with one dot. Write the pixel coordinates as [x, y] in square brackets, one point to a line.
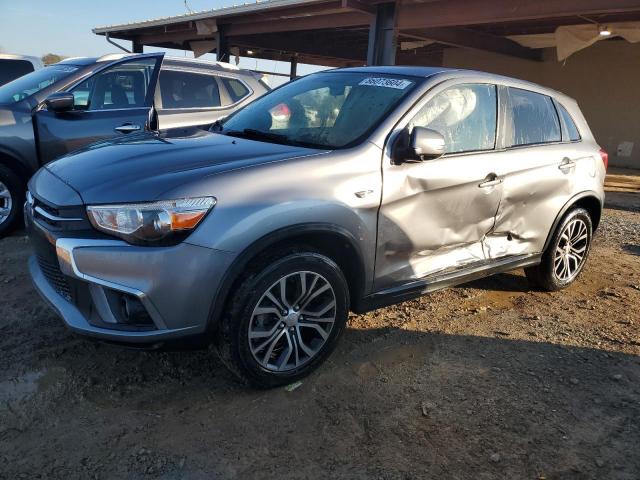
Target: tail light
[605, 158]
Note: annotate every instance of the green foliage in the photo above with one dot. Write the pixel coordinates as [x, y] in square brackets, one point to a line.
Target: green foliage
[50, 58]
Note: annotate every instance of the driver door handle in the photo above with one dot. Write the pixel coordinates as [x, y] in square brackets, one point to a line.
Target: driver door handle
[127, 128]
[490, 180]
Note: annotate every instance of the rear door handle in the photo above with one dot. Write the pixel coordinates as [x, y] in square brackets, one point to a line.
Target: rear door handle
[127, 128]
[490, 180]
[566, 164]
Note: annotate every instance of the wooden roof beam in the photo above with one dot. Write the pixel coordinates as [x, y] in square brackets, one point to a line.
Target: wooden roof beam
[359, 6]
[352, 19]
[466, 38]
[447, 13]
[293, 45]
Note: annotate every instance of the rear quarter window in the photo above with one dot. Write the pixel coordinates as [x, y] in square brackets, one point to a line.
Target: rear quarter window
[534, 119]
[235, 88]
[572, 130]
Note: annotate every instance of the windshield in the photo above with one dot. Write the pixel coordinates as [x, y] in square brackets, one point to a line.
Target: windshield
[325, 110]
[27, 85]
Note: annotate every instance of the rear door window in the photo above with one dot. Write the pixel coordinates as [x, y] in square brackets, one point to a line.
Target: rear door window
[572, 131]
[188, 90]
[235, 88]
[534, 119]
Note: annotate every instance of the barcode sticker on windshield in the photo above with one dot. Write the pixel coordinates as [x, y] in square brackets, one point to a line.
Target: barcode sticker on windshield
[386, 82]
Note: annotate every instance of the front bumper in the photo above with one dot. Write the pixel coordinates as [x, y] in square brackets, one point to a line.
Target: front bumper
[85, 281]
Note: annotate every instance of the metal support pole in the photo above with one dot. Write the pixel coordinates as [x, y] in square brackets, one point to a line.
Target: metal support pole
[106, 36]
[222, 47]
[294, 68]
[382, 36]
[137, 47]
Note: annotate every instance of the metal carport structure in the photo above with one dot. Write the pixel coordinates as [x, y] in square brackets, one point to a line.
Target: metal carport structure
[504, 36]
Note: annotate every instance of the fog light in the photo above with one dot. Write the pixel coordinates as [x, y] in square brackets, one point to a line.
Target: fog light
[134, 313]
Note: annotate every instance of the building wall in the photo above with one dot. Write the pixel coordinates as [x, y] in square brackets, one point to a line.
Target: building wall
[604, 79]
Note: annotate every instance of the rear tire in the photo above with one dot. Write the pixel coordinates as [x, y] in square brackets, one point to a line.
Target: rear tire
[285, 318]
[11, 199]
[566, 255]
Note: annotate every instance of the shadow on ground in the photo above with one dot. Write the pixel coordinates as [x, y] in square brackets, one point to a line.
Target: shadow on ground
[631, 248]
[390, 403]
[627, 201]
[504, 282]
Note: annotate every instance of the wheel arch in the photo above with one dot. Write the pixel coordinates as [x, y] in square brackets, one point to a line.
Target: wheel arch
[14, 163]
[589, 201]
[331, 240]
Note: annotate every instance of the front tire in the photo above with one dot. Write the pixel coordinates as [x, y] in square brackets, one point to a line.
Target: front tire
[284, 319]
[11, 200]
[566, 255]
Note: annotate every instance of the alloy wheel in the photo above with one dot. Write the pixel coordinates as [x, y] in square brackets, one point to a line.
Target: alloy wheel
[6, 202]
[292, 321]
[571, 250]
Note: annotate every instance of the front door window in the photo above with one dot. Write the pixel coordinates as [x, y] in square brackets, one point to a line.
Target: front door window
[124, 85]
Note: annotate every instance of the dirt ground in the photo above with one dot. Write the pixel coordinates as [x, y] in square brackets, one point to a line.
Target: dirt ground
[488, 380]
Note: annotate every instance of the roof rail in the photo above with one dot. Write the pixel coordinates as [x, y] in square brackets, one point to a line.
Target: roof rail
[113, 56]
[228, 66]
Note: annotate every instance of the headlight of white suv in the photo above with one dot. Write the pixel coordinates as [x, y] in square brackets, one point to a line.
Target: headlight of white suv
[154, 222]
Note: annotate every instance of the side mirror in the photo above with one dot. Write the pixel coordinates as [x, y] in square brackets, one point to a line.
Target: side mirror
[60, 102]
[426, 144]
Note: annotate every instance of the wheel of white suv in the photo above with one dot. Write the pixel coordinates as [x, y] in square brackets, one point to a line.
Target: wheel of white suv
[11, 199]
[284, 319]
[566, 254]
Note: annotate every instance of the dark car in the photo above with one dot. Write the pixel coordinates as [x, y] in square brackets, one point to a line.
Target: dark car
[63, 107]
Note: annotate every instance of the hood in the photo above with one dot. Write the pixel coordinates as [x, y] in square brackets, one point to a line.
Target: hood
[142, 167]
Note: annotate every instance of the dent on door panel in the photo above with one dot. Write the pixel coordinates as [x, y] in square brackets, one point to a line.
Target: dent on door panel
[433, 218]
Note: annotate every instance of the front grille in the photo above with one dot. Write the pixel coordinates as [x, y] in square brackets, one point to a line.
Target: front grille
[71, 218]
[55, 277]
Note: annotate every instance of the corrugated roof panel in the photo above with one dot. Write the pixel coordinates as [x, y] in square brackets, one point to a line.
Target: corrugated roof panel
[214, 13]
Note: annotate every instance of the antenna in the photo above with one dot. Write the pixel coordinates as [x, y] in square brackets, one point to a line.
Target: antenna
[186, 5]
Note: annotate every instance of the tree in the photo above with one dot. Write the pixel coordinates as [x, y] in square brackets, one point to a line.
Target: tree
[50, 58]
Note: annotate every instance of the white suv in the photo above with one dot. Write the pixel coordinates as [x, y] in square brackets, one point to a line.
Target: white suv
[15, 66]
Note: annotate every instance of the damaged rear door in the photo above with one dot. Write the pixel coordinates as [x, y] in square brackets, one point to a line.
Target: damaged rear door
[539, 166]
[435, 214]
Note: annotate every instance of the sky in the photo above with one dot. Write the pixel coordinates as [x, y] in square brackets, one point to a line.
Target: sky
[63, 27]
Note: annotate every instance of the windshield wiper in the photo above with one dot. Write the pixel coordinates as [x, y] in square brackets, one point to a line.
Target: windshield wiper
[260, 135]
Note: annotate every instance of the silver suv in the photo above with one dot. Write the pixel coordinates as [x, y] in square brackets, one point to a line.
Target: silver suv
[344, 190]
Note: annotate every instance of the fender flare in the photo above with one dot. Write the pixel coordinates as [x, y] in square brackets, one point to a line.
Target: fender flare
[567, 206]
[239, 264]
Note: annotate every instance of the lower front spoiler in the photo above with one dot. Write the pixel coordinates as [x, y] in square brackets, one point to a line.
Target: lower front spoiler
[77, 323]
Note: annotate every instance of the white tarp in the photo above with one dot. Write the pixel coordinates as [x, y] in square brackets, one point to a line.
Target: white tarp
[573, 38]
[201, 47]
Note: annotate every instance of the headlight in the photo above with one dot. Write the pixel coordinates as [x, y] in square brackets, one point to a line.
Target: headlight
[151, 222]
